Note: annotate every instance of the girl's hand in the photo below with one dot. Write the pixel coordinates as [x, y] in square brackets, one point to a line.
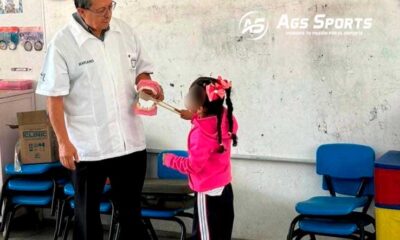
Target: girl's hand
[186, 114]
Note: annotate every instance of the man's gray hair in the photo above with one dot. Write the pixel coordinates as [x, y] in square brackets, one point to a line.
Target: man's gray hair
[86, 4]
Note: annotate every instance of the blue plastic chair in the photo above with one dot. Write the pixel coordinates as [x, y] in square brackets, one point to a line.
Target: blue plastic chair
[34, 186]
[164, 172]
[106, 207]
[31, 169]
[68, 204]
[28, 175]
[168, 214]
[347, 169]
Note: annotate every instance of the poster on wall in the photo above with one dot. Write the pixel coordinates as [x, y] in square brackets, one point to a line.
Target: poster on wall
[11, 6]
[22, 39]
[27, 37]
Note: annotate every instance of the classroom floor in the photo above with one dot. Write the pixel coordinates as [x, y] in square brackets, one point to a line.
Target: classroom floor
[29, 227]
[46, 233]
[45, 230]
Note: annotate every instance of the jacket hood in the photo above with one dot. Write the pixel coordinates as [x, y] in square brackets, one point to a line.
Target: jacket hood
[208, 125]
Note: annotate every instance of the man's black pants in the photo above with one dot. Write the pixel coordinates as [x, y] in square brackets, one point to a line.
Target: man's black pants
[126, 174]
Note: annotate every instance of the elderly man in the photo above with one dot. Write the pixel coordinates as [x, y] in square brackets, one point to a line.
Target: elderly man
[89, 74]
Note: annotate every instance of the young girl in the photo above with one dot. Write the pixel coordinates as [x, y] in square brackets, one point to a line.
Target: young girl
[208, 165]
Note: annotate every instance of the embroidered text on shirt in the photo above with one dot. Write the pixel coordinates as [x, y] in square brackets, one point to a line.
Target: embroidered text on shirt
[86, 62]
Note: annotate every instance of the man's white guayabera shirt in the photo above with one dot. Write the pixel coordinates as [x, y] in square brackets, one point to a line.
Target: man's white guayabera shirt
[96, 79]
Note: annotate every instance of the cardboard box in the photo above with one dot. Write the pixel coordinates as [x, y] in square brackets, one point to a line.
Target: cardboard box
[37, 139]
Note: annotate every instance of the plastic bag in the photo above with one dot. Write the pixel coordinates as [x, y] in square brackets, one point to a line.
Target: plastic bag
[17, 157]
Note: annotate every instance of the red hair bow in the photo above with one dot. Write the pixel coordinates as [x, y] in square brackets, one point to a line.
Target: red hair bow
[217, 90]
[224, 83]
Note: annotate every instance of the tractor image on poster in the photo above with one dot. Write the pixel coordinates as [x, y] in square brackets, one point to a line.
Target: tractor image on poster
[9, 38]
[31, 38]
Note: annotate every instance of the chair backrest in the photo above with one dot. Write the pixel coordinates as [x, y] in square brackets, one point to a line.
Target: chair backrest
[167, 173]
[346, 167]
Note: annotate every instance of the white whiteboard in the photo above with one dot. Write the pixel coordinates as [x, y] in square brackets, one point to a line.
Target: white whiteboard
[291, 93]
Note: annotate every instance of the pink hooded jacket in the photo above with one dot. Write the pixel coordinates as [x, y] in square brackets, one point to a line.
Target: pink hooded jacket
[207, 169]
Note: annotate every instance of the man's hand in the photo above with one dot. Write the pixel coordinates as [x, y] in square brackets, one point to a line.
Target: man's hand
[159, 96]
[146, 76]
[67, 151]
[68, 155]
[186, 114]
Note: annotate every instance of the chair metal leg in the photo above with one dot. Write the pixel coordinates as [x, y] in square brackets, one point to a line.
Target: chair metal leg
[362, 231]
[57, 221]
[300, 235]
[59, 218]
[362, 235]
[291, 232]
[183, 227]
[371, 220]
[5, 214]
[66, 228]
[312, 237]
[4, 223]
[53, 199]
[64, 212]
[117, 232]
[151, 228]
[373, 236]
[3, 196]
[112, 224]
[9, 219]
